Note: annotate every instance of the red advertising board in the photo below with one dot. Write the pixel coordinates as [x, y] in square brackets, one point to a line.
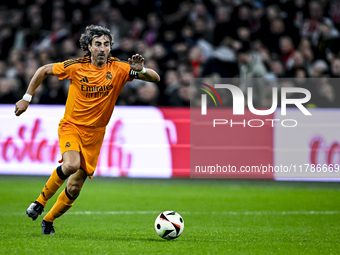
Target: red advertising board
[180, 151]
[232, 146]
[151, 142]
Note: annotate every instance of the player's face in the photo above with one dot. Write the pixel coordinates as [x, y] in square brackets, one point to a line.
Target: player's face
[100, 50]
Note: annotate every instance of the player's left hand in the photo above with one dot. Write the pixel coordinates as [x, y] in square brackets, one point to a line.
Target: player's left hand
[136, 62]
[20, 107]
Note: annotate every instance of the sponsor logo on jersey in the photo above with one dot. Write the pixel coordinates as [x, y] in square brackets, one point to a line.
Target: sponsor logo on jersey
[84, 79]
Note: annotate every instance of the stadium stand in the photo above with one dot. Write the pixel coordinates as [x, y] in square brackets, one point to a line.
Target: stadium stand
[180, 40]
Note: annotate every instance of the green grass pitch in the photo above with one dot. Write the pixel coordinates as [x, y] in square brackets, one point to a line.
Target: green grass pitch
[116, 216]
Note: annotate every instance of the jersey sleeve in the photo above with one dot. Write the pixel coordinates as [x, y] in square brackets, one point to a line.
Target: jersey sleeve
[64, 69]
[129, 75]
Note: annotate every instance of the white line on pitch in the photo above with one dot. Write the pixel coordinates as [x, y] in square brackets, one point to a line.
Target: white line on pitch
[216, 213]
[194, 213]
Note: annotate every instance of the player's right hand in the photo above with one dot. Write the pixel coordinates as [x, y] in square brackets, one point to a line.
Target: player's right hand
[20, 107]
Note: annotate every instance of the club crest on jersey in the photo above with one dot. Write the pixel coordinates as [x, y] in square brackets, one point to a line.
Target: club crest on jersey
[109, 76]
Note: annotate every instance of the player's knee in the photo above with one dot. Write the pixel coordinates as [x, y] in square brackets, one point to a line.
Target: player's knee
[70, 167]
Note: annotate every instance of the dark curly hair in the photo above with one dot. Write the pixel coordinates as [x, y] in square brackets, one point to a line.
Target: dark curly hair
[91, 32]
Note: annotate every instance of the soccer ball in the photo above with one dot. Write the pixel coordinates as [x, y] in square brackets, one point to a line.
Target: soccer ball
[169, 225]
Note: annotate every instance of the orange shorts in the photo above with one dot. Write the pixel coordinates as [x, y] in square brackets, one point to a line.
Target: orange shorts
[87, 141]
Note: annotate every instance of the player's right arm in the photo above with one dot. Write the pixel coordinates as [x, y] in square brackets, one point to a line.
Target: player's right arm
[36, 80]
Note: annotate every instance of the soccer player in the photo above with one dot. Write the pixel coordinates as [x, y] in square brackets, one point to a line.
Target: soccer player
[96, 81]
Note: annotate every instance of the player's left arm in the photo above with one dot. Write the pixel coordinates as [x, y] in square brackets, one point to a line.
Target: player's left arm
[136, 63]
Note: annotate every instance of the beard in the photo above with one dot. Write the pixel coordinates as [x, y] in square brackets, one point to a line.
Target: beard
[101, 59]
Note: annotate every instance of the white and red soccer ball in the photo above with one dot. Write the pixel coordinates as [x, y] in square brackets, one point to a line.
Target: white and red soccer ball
[169, 225]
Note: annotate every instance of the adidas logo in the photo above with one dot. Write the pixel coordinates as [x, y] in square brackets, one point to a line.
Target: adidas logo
[84, 79]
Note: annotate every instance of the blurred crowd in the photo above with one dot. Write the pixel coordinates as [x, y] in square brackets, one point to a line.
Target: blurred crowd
[181, 40]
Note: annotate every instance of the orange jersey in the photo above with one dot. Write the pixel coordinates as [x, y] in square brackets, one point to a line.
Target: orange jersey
[93, 91]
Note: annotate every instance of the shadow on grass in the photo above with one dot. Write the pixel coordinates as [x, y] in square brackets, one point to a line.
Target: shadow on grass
[120, 238]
